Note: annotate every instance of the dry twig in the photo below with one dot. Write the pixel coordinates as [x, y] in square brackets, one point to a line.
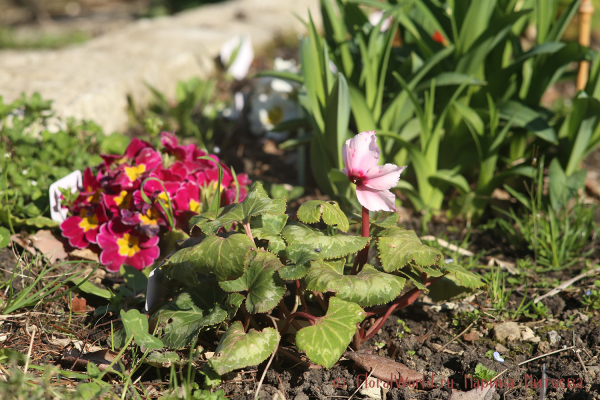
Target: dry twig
[566, 284]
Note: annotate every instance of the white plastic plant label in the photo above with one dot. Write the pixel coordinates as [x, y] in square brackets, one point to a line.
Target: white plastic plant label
[72, 181]
[156, 290]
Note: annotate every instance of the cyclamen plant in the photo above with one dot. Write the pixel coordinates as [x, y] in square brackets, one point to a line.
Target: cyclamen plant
[346, 299]
[133, 199]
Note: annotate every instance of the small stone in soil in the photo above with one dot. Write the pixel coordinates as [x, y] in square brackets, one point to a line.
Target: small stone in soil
[507, 331]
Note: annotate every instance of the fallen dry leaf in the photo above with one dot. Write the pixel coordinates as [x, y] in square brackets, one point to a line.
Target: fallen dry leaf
[49, 246]
[24, 241]
[84, 254]
[483, 393]
[78, 304]
[383, 368]
[472, 336]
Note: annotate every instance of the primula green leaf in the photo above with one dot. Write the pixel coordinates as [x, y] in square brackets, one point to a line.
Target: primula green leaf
[265, 287]
[461, 276]
[326, 340]
[89, 287]
[136, 325]
[238, 349]
[134, 279]
[299, 257]
[311, 211]
[267, 227]
[256, 202]
[329, 246]
[367, 288]
[223, 255]
[398, 247]
[193, 309]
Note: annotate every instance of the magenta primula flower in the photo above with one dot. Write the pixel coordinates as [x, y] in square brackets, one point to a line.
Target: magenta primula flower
[373, 182]
[82, 229]
[146, 161]
[122, 244]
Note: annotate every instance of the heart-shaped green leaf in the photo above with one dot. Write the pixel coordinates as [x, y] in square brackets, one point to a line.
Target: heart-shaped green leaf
[326, 340]
[385, 219]
[224, 255]
[238, 349]
[268, 227]
[398, 247]
[461, 276]
[136, 325]
[328, 246]
[299, 257]
[256, 202]
[265, 287]
[193, 309]
[367, 288]
[310, 212]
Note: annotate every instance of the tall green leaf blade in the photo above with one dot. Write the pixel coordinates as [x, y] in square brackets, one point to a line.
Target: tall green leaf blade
[329, 246]
[367, 288]
[476, 21]
[238, 349]
[223, 256]
[326, 340]
[263, 285]
[529, 119]
[256, 202]
[310, 212]
[399, 247]
[337, 117]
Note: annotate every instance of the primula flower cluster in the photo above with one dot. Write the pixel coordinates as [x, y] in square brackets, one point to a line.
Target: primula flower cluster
[112, 216]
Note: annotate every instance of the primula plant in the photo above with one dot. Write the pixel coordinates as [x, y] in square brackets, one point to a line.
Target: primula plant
[131, 201]
[342, 287]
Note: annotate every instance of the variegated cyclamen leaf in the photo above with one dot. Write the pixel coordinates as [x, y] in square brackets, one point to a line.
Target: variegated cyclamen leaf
[264, 286]
[385, 219]
[326, 340]
[256, 202]
[238, 349]
[367, 288]
[223, 255]
[399, 247]
[328, 246]
[461, 276]
[310, 212]
[298, 257]
[204, 305]
[268, 227]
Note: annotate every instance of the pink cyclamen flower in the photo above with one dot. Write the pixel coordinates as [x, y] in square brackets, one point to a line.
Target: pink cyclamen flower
[122, 244]
[373, 182]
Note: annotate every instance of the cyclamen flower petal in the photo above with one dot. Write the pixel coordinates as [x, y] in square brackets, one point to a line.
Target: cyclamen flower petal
[361, 155]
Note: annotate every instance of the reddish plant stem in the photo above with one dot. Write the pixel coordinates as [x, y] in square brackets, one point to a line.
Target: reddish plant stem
[301, 295]
[403, 301]
[362, 256]
[287, 314]
[246, 226]
[290, 320]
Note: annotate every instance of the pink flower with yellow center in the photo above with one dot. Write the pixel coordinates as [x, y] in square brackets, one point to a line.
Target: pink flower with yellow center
[82, 229]
[148, 221]
[129, 176]
[131, 152]
[122, 244]
[373, 182]
[187, 198]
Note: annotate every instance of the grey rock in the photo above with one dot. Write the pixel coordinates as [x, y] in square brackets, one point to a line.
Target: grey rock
[301, 396]
[92, 81]
[507, 331]
[554, 337]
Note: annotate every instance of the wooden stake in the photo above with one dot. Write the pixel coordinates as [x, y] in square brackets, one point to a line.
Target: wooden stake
[586, 9]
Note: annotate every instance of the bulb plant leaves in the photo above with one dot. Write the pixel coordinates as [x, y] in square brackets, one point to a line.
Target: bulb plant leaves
[311, 212]
[367, 288]
[330, 246]
[263, 285]
[256, 202]
[325, 342]
[240, 277]
[398, 247]
[238, 349]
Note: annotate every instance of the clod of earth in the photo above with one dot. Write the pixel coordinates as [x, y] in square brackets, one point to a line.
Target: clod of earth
[382, 367]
